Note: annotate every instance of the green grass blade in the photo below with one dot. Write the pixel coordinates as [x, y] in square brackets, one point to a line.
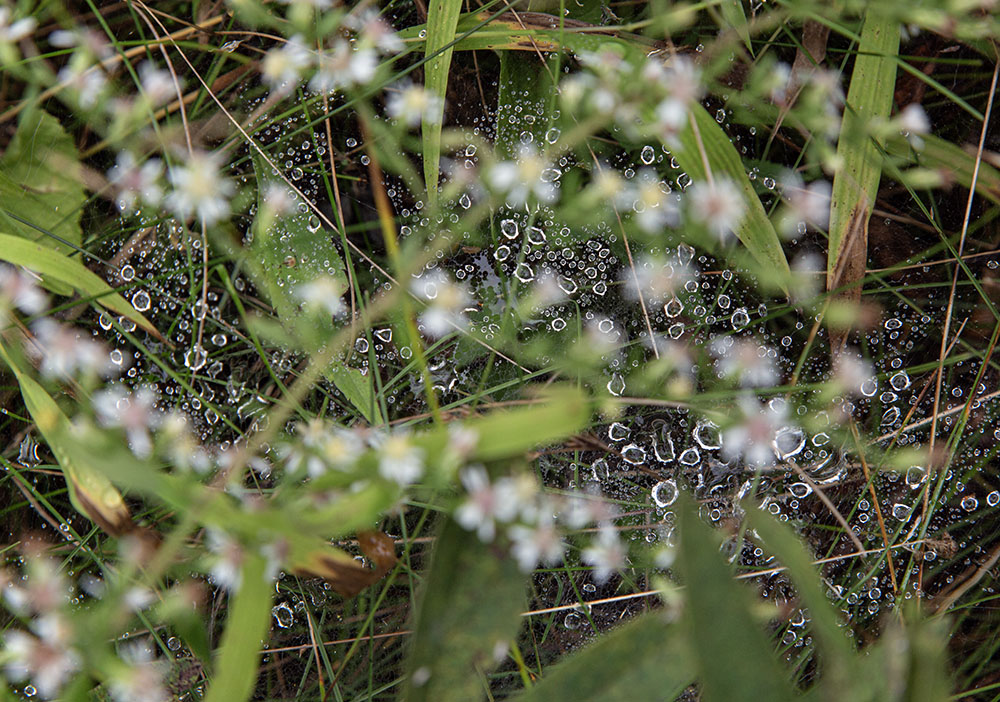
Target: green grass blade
[733, 655]
[957, 162]
[57, 266]
[855, 185]
[472, 601]
[645, 659]
[246, 626]
[442, 20]
[735, 18]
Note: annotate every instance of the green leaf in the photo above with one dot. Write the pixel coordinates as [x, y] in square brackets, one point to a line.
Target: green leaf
[736, 18]
[471, 605]
[358, 390]
[733, 655]
[442, 20]
[40, 181]
[287, 252]
[824, 622]
[58, 267]
[958, 162]
[645, 659]
[869, 99]
[246, 627]
[525, 85]
[756, 232]
[91, 493]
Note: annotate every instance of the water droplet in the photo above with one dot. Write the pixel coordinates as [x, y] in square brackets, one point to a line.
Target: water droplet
[664, 493]
[141, 300]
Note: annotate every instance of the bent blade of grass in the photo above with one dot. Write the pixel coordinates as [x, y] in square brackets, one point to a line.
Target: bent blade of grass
[442, 21]
[855, 185]
[57, 266]
[958, 162]
[735, 660]
[246, 627]
[645, 659]
[471, 606]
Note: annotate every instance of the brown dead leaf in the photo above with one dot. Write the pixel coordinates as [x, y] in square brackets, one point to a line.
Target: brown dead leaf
[349, 577]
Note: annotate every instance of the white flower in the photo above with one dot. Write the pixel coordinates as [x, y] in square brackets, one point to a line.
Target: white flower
[142, 676]
[157, 84]
[487, 502]
[199, 190]
[375, 30]
[63, 351]
[283, 66]
[86, 82]
[656, 280]
[399, 460]
[182, 446]
[447, 302]
[226, 571]
[752, 437]
[17, 30]
[852, 374]
[805, 204]
[745, 360]
[718, 205]
[135, 182]
[134, 412]
[913, 120]
[279, 199]
[18, 289]
[540, 543]
[324, 293]
[529, 174]
[606, 553]
[47, 660]
[412, 104]
[341, 449]
[654, 206]
[342, 67]
[683, 80]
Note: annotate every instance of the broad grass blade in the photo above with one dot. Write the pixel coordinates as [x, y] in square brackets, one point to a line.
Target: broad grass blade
[442, 20]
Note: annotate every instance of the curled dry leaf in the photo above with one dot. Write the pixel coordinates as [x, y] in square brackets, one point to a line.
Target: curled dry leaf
[347, 576]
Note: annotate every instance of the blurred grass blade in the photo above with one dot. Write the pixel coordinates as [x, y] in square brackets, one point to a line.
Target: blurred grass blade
[57, 266]
[756, 231]
[736, 18]
[358, 390]
[442, 20]
[824, 623]
[855, 185]
[41, 181]
[246, 627]
[645, 659]
[955, 161]
[734, 657]
[471, 607]
[91, 493]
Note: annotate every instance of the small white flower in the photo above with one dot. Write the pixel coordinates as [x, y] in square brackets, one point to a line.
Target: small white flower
[199, 190]
[718, 205]
[88, 83]
[16, 30]
[47, 660]
[142, 676]
[540, 543]
[341, 449]
[282, 67]
[913, 120]
[606, 553]
[399, 460]
[342, 67]
[134, 412]
[18, 288]
[447, 303]
[528, 175]
[375, 30]
[182, 446]
[487, 503]
[227, 569]
[654, 206]
[324, 293]
[279, 199]
[64, 351]
[157, 84]
[744, 360]
[852, 373]
[805, 204]
[136, 183]
[656, 280]
[412, 104]
[752, 437]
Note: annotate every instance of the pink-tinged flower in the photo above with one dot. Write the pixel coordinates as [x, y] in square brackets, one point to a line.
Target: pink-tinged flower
[751, 439]
[64, 351]
[447, 303]
[486, 504]
[805, 204]
[342, 67]
[199, 190]
[157, 84]
[718, 205]
[135, 182]
[227, 568]
[413, 105]
[87, 82]
[399, 460]
[18, 288]
[141, 677]
[529, 175]
[744, 360]
[283, 66]
[374, 30]
[540, 543]
[853, 375]
[606, 553]
[134, 412]
[47, 660]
